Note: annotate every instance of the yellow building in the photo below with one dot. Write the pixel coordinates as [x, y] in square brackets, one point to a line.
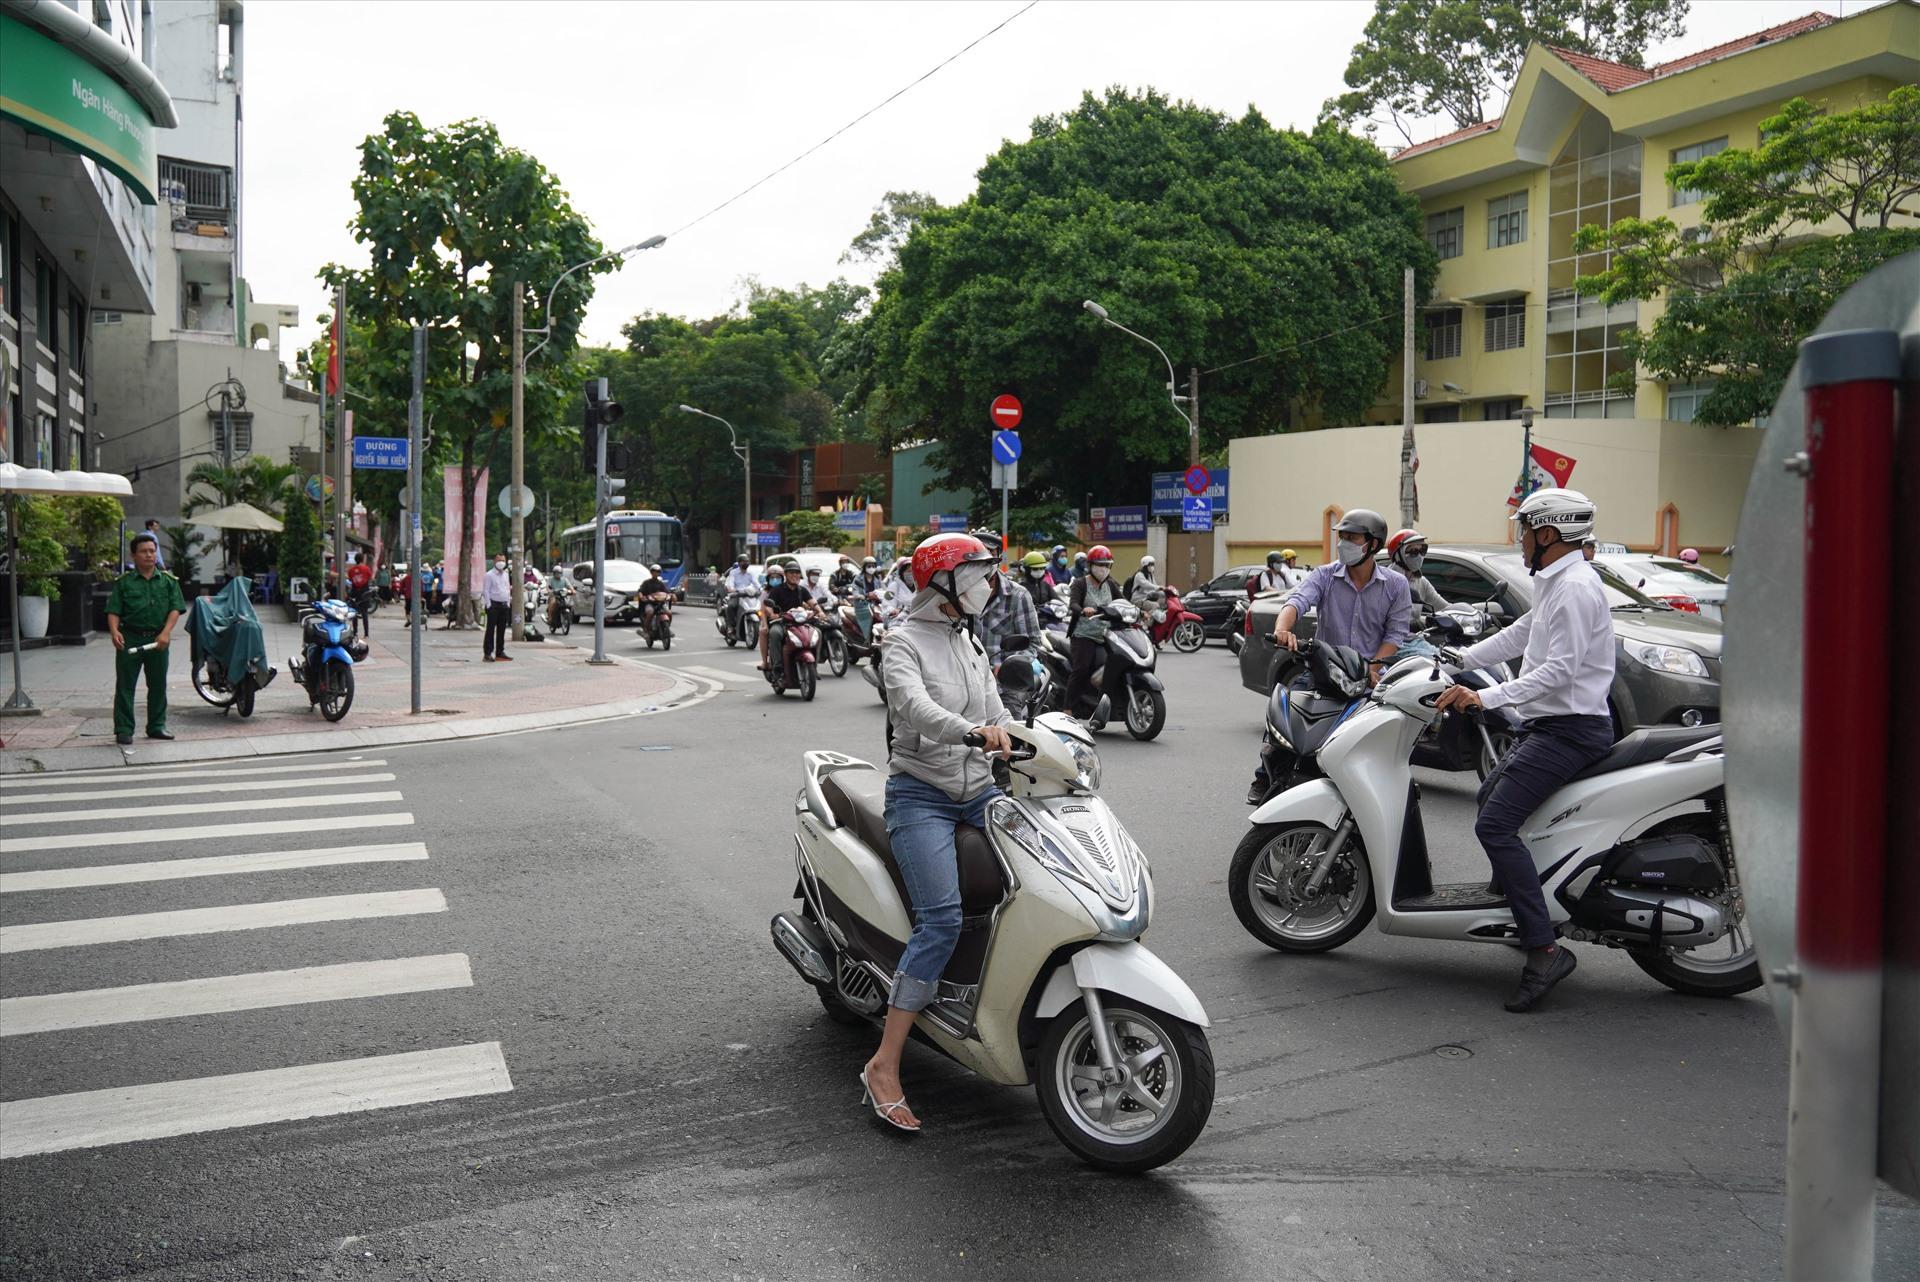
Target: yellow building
[1585, 141]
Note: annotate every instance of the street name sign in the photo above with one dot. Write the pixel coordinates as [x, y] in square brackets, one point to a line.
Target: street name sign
[380, 453]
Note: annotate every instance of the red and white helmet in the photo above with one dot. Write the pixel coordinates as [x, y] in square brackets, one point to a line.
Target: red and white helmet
[1099, 554]
[937, 562]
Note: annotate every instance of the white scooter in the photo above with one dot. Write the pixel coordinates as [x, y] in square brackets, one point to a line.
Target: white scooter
[1049, 983]
[1634, 852]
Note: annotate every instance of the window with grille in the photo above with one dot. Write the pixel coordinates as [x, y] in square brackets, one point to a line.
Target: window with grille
[1678, 196]
[1446, 232]
[1506, 325]
[1500, 411]
[242, 434]
[1507, 220]
[1443, 333]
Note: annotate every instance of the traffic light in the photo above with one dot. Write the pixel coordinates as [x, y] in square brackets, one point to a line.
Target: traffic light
[600, 414]
[612, 492]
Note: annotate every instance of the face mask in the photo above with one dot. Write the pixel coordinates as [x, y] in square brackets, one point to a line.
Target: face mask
[1099, 572]
[974, 597]
[499, 565]
[1351, 554]
[1414, 560]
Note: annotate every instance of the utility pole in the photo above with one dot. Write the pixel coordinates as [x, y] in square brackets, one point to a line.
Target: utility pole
[342, 491]
[1409, 499]
[1193, 416]
[517, 531]
[415, 405]
[320, 589]
[746, 536]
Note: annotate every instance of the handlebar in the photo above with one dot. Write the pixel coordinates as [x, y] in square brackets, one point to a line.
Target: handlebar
[1021, 751]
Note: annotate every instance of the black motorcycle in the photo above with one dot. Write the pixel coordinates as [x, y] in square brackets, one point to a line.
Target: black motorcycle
[657, 626]
[1127, 675]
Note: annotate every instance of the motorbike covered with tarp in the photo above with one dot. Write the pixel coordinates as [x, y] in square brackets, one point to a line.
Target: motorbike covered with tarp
[229, 651]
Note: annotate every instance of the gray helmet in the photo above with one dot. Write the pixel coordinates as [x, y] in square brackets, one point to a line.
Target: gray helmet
[1363, 520]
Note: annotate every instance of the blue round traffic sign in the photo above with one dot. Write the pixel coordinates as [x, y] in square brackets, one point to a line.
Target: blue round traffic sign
[1006, 447]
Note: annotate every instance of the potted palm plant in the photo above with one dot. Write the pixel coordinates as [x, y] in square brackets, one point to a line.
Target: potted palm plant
[40, 556]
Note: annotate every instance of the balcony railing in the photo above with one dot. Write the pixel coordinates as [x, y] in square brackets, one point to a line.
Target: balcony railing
[198, 193]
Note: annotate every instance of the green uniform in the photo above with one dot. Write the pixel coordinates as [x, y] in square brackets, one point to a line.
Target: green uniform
[142, 605]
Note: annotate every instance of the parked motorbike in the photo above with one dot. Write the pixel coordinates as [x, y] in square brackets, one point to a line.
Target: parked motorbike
[739, 621]
[1049, 984]
[1634, 852]
[229, 655]
[1127, 674]
[795, 665]
[324, 667]
[1175, 623]
[658, 625]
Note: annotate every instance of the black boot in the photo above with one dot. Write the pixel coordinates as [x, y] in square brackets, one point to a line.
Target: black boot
[1544, 969]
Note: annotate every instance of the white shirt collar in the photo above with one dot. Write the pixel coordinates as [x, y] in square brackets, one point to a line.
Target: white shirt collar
[1561, 566]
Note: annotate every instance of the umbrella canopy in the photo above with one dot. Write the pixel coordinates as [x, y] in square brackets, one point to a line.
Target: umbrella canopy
[15, 479]
[237, 516]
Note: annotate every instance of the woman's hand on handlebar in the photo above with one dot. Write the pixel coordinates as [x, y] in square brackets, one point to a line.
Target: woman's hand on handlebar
[992, 739]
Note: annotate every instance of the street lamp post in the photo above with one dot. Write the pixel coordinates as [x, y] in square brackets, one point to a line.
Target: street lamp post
[1193, 385]
[745, 454]
[518, 530]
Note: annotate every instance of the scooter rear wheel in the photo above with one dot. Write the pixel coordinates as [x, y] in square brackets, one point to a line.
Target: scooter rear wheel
[204, 687]
[1266, 883]
[1154, 1114]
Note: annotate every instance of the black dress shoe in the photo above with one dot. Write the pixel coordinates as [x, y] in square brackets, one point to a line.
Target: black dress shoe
[159, 734]
[1537, 982]
[124, 740]
[1256, 793]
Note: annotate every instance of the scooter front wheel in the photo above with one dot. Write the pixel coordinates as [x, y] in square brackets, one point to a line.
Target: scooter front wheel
[1268, 883]
[1146, 713]
[1189, 636]
[1149, 1117]
[337, 690]
[809, 682]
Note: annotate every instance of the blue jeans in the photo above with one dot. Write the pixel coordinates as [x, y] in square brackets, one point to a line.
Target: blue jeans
[1548, 752]
[920, 824]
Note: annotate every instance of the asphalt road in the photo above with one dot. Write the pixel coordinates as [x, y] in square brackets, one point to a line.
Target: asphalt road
[633, 1084]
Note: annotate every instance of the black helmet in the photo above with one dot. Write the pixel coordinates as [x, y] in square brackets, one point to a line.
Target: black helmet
[1363, 520]
[989, 537]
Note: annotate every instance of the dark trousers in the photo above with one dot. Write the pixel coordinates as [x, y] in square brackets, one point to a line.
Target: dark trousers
[1547, 753]
[499, 614]
[127, 670]
[1083, 659]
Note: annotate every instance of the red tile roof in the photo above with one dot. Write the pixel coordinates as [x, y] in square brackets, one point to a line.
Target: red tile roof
[1610, 76]
[1485, 126]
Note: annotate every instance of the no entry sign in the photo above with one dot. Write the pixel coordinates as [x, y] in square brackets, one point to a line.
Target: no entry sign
[1006, 411]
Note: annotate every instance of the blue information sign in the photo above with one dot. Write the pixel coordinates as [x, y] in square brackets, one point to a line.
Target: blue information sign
[766, 538]
[380, 453]
[947, 523]
[1196, 515]
[851, 522]
[1170, 493]
[1006, 447]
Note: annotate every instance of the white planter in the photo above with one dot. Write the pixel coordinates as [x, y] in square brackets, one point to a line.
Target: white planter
[34, 613]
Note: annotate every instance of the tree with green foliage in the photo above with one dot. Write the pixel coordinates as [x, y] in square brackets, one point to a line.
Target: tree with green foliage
[894, 219]
[451, 217]
[1225, 240]
[806, 528]
[1745, 287]
[1458, 58]
[297, 555]
[93, 531]
[40, 544]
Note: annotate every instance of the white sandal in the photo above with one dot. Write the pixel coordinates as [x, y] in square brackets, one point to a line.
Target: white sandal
[884, 1111]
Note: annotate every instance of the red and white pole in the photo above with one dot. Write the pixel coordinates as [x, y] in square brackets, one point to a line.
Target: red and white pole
[1851, 379]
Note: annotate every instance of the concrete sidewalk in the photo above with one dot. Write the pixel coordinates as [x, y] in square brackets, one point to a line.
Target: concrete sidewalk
[548, 684]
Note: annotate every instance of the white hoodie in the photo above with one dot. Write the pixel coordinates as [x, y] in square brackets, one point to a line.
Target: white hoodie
[939, 687]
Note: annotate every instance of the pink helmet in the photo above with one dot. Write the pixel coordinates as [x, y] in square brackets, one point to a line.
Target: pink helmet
[1690, 555]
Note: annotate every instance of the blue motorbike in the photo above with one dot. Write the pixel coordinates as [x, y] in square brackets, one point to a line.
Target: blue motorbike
[324, 666]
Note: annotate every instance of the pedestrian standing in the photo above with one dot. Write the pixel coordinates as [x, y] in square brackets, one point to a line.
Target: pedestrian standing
[496, 591]
[360, 593]
[153, 528]
[141, 610]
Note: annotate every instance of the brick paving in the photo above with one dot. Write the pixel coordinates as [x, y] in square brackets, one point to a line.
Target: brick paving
[549, 682]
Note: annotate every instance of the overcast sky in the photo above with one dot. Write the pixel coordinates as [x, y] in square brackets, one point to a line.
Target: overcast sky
[651, 114]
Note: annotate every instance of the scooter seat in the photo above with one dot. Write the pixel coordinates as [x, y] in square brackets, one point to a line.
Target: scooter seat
[1650, 744]
[858, 800]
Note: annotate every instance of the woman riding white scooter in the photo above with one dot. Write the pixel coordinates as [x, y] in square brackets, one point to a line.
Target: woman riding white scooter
[936, 783]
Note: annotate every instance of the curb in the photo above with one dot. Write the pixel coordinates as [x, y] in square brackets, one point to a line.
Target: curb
[683, 693]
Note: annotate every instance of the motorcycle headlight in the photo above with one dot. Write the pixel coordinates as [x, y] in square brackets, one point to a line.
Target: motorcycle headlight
[1085, 759]
[1014, 822]
[1666, 658]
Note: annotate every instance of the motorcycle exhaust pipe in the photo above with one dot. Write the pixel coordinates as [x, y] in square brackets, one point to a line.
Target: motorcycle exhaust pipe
[802, 945]
[1674, 921]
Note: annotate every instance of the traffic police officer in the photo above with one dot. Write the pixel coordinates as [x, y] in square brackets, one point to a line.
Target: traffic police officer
[144, 606]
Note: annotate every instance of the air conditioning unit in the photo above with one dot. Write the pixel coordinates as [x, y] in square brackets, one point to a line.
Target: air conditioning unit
[1420, 389]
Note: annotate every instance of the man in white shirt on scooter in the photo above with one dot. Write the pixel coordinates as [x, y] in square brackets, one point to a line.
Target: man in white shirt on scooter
[1566, 646]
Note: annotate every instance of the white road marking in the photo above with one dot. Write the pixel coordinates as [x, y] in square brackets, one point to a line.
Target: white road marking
[176, 790]
[207, 921]
[330, 824]
[89, 1119]
[187, 770]
[223, 994]
[201, 808]
[208, 866]
[713, 674]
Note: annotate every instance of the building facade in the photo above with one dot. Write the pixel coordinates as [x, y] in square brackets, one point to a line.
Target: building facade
[80, 111]
[205, 344]
[1586, 141]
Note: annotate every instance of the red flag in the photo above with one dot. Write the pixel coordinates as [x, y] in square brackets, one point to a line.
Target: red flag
[1545, 468]
[335, 340]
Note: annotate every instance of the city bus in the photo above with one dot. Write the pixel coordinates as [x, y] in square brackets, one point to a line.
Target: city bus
[636, 539]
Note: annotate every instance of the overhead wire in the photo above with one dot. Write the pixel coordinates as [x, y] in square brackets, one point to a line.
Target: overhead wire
[856, 120]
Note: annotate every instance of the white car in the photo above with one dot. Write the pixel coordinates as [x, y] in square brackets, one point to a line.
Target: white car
[1669, 579]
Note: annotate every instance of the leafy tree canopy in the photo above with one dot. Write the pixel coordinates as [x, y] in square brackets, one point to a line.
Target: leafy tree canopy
[1744, 288]
[1221, 239]
[1421, 58]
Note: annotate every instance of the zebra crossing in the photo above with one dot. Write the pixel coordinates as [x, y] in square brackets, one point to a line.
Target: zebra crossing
[121, 890]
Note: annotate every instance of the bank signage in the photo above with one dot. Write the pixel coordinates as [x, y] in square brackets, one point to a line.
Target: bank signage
[1170, 493]
[53, 90]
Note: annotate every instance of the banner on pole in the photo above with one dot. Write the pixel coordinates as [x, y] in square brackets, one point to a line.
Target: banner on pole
[475, 566]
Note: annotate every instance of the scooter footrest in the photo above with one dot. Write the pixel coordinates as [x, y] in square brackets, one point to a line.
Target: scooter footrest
[1452, 898]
